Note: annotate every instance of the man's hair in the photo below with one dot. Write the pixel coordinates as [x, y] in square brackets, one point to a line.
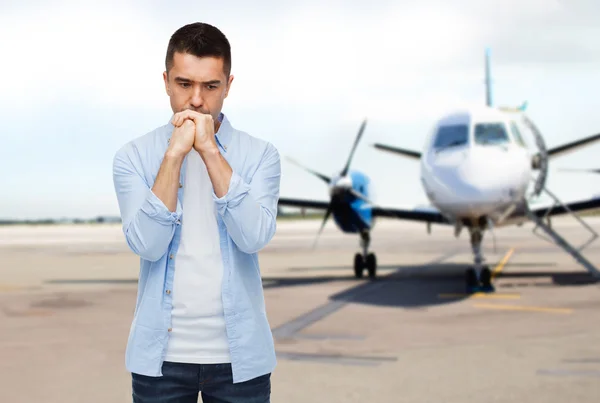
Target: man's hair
[199, 39]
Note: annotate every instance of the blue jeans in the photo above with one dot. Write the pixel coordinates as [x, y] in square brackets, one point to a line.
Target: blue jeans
[181, 383]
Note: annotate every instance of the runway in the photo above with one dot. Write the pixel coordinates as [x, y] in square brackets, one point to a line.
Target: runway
[67, 295]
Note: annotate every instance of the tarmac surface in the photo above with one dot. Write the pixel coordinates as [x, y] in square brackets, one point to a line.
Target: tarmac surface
[67, 295]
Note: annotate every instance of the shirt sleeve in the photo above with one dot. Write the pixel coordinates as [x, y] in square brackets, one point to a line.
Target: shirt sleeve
[249, 210]
[148, 224]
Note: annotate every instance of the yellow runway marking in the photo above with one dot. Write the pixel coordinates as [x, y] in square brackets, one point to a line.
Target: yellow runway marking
[482, 295]
[523, 308]
[500, 265]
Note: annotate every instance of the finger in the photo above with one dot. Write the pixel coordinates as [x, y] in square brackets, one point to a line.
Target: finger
[189, 114]
[176, 120]
[179, 117]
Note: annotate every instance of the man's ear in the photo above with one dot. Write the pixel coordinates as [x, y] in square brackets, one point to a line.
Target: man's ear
[229, 81]
[166, 80]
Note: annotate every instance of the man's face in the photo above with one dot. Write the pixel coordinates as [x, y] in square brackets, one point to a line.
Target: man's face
[197, 83]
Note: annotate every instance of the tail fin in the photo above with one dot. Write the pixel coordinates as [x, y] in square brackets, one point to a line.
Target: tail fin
[488, 86]
[488, 79]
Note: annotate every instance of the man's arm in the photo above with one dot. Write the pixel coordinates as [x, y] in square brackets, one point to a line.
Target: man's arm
[149, 216]
[249, 210]
[166, 184]
[219, 171]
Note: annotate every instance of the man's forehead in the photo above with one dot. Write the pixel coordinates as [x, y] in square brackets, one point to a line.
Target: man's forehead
[200, 69]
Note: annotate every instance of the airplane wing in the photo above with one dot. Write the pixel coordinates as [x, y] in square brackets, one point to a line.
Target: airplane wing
[396, 150]
[283, 201]
[418, 214]
[553, 152]
[573, 146]
[582, 206]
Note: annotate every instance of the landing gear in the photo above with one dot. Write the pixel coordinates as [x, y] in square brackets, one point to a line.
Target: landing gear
[365, 259]
[478, 277]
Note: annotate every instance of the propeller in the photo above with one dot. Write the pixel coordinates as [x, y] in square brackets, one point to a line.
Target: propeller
[342, 178]
[342, 175]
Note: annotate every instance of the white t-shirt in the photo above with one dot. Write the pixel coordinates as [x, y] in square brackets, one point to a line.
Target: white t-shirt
[198, 326]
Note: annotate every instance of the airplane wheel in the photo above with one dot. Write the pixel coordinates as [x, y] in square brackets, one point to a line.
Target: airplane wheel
[372, 265]
[471, 280]
[486, 279]
[359, 264]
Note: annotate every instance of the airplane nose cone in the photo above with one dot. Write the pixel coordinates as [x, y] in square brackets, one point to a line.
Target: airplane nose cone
[492, 171]
[481, 180]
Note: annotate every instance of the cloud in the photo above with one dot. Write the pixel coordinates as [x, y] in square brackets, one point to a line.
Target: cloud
[82, 53]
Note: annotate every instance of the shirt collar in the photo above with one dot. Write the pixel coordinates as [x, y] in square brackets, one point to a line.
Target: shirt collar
[223, 135]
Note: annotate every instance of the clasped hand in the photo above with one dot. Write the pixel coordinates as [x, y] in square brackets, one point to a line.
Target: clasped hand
[192, 130]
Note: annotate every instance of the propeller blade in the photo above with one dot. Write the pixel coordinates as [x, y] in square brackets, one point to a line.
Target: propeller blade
[327, 214]
[359, 196]
[325, 178]
[358, 136]
[596, 171]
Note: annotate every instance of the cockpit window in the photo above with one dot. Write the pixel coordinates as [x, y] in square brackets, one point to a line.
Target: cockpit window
[452, 135]
[517, 134]
[491, 133]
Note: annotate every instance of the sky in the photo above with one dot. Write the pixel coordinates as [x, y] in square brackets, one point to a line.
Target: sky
[80, 79]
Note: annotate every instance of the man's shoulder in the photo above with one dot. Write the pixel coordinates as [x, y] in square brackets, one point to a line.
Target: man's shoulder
[260, 146]
[143, 143]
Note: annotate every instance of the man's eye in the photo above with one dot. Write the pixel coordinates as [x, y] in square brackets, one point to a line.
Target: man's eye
[184, 85]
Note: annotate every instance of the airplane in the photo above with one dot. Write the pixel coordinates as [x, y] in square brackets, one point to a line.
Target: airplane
[476, 169]
[350, 205]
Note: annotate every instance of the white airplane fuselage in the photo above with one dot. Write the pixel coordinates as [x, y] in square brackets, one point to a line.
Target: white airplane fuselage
[476, 164]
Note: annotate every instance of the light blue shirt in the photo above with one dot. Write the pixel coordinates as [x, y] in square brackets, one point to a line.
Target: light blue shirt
[246, 219]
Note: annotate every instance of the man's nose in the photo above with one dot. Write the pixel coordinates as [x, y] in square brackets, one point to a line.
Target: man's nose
[197, 101]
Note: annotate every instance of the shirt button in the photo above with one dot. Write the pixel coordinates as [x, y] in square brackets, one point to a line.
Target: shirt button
[171, 256]
[169, 329]
[168, 291]
[180, 186]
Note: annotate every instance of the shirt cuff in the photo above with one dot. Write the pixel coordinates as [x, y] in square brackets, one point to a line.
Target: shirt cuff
[156, 209]
[235, 194]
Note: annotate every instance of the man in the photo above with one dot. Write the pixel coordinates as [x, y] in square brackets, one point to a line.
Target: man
[198, 200]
